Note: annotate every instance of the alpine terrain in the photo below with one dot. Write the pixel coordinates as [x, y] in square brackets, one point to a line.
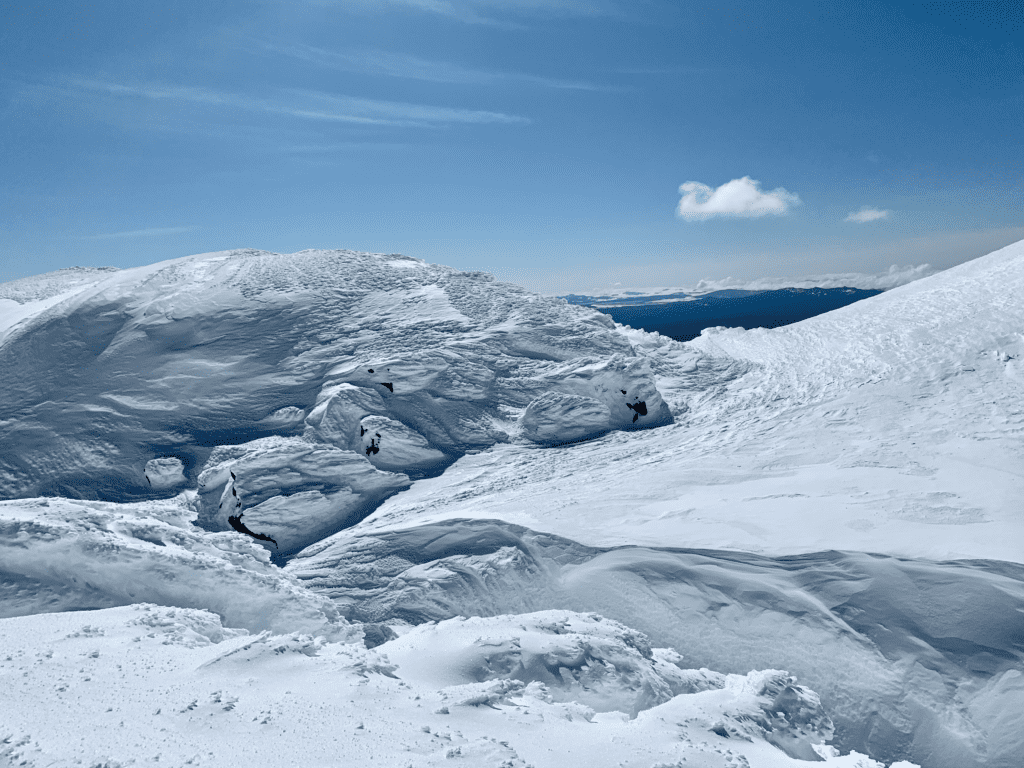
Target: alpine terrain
[338, 508]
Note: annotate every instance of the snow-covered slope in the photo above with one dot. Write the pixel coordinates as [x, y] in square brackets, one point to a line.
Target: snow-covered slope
[401, 365]
[170, 686]
[893, 425]
[837, 498]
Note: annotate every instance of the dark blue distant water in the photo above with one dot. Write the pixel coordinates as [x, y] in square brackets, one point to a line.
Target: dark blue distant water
[684, 320]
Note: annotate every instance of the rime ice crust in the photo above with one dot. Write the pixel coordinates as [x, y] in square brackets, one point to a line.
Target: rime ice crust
[112, 370]
[153, 684]
[294, 491]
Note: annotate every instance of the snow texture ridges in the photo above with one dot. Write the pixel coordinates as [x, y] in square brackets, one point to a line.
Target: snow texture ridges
[109, 371]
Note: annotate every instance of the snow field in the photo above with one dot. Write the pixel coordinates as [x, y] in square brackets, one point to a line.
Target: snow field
[172, 686]
[461, 474]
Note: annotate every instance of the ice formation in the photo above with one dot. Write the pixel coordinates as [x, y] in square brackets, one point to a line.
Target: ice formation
[504, 530]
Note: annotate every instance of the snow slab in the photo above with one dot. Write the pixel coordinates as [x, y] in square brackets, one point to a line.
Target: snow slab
[109, 371]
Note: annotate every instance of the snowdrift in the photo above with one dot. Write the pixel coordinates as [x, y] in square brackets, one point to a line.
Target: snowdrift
[171, 685]
[63, 555]
[487, 554]
[906, 654]
[402, 365]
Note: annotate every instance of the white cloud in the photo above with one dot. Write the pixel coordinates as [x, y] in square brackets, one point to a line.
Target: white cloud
[494, 12]
[309, 105]
[390, 64]
[866, 214]
[739, 197]
[155, 232]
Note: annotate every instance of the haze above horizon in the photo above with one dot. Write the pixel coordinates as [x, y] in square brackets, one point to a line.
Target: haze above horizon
[567, 146]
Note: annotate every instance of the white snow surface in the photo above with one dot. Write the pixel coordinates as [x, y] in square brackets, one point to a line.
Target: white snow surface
[64, 555]
[173, 359]
[172, 686]
[461, 475]
[892, 425]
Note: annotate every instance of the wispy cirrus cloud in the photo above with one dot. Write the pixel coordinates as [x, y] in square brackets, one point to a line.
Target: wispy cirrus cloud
[390, 64]
[344, 146]
[308, 105]
[741, 197]
[866, 214]
[154, 232]
[493, 13]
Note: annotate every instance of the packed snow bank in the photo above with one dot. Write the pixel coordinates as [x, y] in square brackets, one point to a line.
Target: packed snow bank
[108, 372]
[170, 685]
[305, 389]
[291, 490]
[910, 657]
[61, 555]
[890, 426]
[605, 666]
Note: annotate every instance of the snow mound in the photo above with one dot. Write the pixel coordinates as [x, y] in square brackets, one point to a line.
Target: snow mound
[149, 684]
[165, 473]
[909, 657]
[291, 490]
[403, 364]
[605, 666]
[583, 658]
[602, 665]
[41, 287]
[61, 555]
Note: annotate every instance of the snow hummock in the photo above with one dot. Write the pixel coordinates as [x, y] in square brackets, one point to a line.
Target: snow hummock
[489, 553]
[292, 490]
[173, 359]
[165, 472]
[64, 555]
[146, 683]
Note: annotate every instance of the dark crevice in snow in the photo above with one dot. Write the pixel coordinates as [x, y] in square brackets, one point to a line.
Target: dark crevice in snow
[235, 521]
[639, 408]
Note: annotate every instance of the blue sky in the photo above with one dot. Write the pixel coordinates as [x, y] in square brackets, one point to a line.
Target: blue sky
[567, 146]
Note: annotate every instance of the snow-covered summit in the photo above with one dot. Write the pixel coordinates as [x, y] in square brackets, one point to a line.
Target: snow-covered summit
[401, 365]
[38, 288]
[501, 568]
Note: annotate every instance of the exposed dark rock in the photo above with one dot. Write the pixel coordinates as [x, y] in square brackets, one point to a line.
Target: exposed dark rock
[235, 521]
[639, 408]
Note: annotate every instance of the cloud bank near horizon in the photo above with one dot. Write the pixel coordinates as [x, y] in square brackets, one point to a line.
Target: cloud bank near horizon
[893, 277]
[739, 198]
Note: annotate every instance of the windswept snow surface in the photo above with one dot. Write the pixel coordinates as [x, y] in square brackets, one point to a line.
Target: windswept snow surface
[149, 684]
[175, 359]
[486, 558]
